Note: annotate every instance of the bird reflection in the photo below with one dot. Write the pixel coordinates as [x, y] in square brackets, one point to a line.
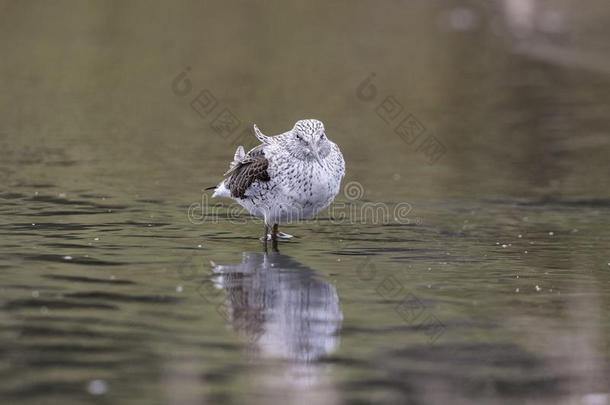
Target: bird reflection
[281, 307]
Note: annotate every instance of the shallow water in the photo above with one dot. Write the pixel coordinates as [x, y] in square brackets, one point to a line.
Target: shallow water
[478, 275]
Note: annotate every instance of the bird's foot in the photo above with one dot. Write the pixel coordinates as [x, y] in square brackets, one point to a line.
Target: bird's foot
[280, 235]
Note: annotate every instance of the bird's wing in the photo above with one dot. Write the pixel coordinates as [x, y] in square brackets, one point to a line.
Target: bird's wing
[241, 157]
[262, 137]
[251, 168]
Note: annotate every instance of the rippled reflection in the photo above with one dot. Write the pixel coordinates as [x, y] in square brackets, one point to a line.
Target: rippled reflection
[287, 314]
[281, 306]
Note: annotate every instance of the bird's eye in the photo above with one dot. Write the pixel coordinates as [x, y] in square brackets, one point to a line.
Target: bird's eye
[322, 135]
[299, 137]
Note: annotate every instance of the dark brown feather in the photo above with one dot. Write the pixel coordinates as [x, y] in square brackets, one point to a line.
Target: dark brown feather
[246, 172]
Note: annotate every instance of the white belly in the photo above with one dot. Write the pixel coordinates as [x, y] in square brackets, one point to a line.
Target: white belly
[292, 198]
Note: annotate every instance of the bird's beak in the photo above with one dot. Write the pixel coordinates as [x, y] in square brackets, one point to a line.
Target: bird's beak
[315, 153]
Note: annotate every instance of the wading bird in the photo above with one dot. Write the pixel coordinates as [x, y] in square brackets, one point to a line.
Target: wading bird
[288, 177]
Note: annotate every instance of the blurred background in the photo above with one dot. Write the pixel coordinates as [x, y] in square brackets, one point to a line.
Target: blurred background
[489, 119]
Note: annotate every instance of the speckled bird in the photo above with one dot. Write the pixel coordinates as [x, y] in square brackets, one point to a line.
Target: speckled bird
[288, 177]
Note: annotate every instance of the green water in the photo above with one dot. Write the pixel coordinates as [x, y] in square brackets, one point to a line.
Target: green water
[465, 261]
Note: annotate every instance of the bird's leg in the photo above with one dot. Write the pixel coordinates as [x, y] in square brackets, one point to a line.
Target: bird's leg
[266, 229]
[274, 245]
[274, 238]
[274, 233]
[279, 235]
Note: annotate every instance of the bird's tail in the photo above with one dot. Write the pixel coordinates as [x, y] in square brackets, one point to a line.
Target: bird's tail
[221, 190]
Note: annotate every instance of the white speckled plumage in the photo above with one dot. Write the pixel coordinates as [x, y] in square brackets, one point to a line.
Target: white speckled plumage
[288, 177]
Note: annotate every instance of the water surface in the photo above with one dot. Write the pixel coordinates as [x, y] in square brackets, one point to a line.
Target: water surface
[486, 282]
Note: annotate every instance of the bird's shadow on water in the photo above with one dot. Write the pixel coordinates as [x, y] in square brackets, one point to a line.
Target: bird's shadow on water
[281, 307]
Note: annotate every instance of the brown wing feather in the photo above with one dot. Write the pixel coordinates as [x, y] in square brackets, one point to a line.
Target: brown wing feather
[247, 171]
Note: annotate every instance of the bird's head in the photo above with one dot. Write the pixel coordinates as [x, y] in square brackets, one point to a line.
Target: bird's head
[308, 140]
